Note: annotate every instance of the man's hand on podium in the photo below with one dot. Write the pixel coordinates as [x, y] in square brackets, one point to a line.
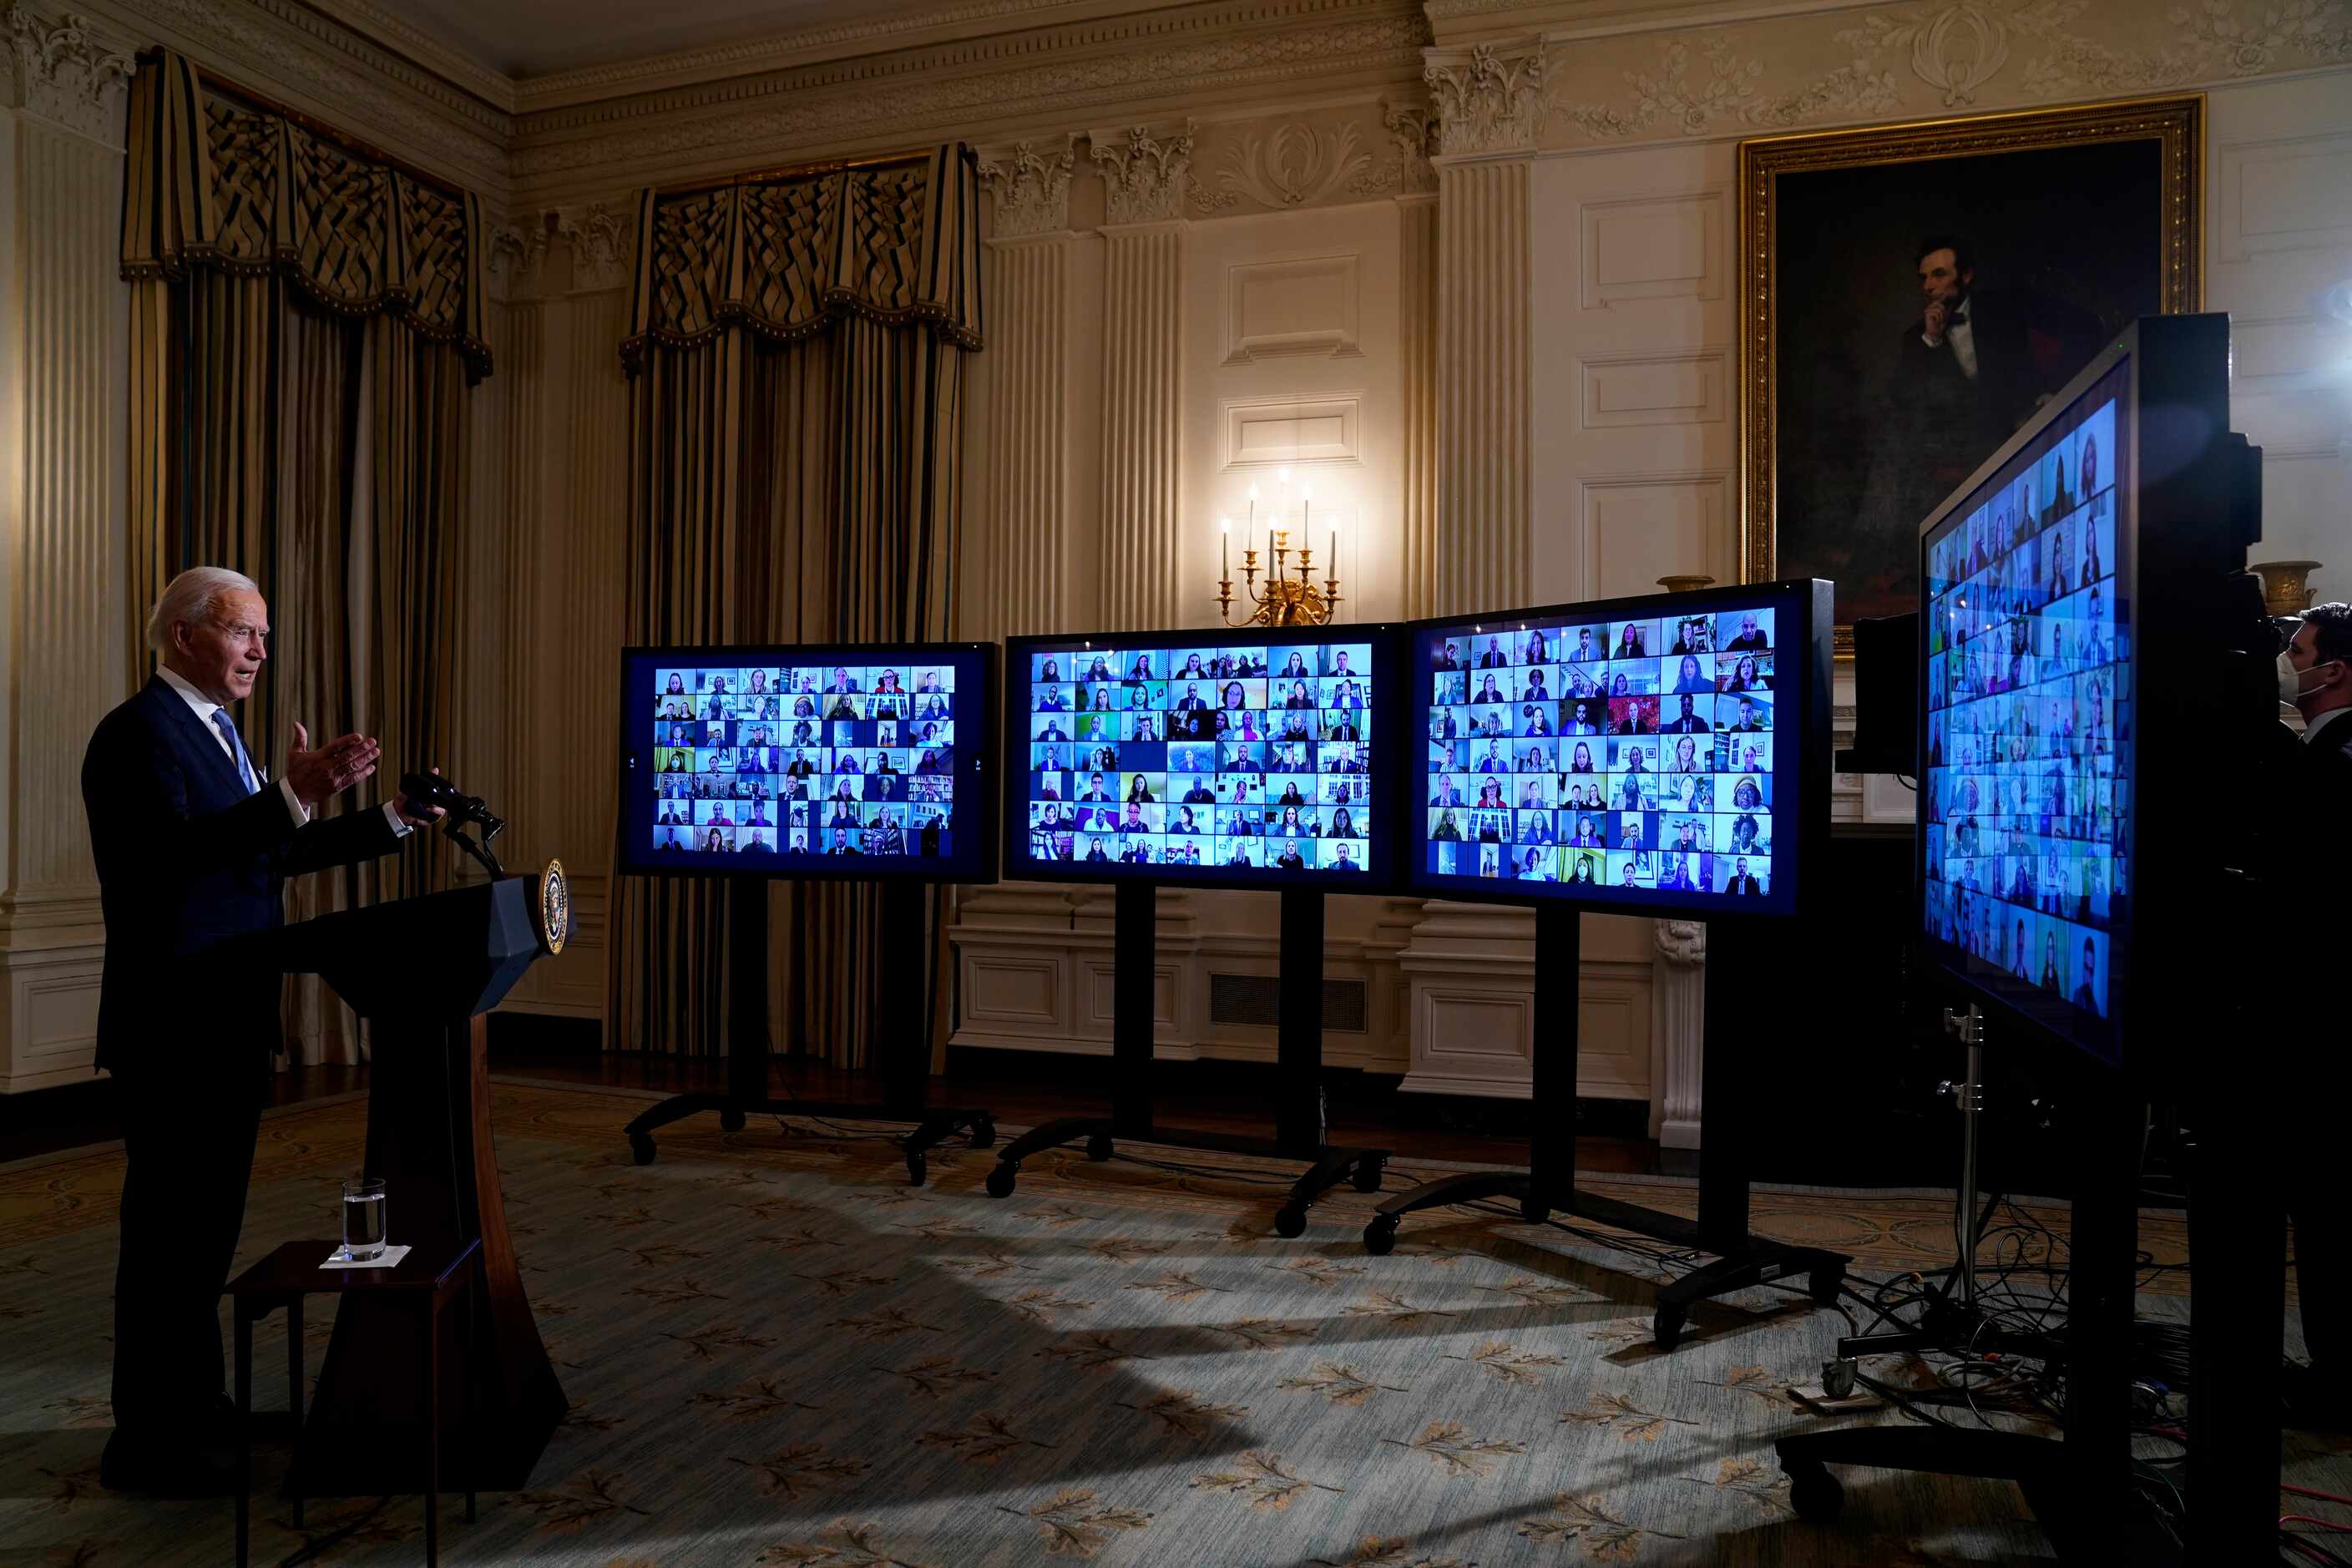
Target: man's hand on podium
[334, 768]
[419, 815]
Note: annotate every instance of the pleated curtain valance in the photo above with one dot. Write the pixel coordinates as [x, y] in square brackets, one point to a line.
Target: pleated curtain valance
[217, 182]
[895, 243]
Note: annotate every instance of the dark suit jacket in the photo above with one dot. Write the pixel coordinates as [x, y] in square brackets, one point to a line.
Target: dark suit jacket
[191, 870]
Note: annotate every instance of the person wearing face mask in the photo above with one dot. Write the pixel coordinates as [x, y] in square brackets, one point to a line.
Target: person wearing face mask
[2311, 856]
[2314, 675]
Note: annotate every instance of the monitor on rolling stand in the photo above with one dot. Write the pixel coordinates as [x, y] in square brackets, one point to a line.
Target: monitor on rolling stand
[1665, 756]
[2082, 609]
[835, 762]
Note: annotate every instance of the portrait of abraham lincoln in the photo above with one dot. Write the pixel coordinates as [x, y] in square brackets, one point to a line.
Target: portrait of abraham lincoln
[1920, 310]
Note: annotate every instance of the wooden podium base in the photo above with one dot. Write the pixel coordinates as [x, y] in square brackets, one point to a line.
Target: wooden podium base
[429, 1138]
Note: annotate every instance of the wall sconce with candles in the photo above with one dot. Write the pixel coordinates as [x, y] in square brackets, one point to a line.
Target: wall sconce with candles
[1291, 597]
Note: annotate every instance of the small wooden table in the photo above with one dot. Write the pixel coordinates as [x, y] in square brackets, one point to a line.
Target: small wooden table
[420, 1282]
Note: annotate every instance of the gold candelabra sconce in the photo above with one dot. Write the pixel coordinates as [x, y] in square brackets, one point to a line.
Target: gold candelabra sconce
[1291, 595]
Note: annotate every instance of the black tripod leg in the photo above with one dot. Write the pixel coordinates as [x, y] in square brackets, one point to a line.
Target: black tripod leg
[1379, 1236]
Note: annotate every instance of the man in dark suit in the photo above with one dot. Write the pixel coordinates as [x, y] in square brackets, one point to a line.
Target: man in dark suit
[1689, 723]
[193, 843]
[1741, 882]
[2309, 853]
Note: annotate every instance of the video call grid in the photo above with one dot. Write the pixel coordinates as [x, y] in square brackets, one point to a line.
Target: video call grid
[2028, 720]
[1250, 755]
[1638, 753]
[786, 760]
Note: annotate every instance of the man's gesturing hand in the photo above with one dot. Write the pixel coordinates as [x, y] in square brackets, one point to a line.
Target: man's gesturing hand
[331, 769]
[1937, 317]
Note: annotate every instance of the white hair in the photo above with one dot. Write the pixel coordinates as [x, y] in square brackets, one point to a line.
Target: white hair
[194, 596]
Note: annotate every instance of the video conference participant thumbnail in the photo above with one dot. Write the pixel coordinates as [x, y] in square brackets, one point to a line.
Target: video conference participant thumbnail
[1639, 753]
[780, 761]
[1253, 755]
[2027, 792]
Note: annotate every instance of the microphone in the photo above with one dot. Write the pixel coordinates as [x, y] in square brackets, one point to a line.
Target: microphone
[432, 789]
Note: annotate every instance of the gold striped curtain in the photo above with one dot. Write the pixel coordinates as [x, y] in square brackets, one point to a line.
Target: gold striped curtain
[796, 357]
[305, 326]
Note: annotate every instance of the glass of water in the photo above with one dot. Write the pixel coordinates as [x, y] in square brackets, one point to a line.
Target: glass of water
[364, 1218]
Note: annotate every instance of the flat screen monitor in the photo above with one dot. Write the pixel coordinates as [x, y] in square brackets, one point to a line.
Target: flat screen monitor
[2027, 625]
[1655, 755]
[866, 761]
[1236, 758]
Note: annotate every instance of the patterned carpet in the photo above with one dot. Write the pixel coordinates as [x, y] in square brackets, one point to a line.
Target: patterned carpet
[777, 1352]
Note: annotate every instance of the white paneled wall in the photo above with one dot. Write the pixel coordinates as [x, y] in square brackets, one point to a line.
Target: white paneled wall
[2278, 232]
[64, 594]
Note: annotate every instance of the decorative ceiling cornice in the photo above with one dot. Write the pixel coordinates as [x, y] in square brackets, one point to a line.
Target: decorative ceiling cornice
[751, 56]
[402, 38]
[1130, 59]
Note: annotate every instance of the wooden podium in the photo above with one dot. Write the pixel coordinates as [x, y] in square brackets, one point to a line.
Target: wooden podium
[423, 972]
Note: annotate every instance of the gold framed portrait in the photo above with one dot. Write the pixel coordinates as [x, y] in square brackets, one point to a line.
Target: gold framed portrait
[1909, 294]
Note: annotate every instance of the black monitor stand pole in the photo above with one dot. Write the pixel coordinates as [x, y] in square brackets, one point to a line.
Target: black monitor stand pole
[1299, 1094]
[1549, 1183]
[902, 1035]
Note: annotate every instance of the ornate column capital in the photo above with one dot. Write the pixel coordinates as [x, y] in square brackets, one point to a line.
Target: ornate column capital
[1147, 178]
[1032, 187]
[1488, 98]
[61, 72]
[600, 235]
[602, 241]
[1413, 131]
[1682, 943]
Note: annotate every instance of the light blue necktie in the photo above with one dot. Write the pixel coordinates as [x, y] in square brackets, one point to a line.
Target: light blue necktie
[236, 747]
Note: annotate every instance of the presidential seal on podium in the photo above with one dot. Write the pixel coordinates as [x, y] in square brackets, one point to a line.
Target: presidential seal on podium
[551, 911]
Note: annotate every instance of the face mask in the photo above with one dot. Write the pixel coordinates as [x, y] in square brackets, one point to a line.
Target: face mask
[2290, 679]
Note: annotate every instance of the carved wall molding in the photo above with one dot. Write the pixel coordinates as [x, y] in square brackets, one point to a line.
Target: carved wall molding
[65, 73]
[1293, 166]
[1146, 178]
[1892, 62]
[1488, 99]
[1032, 188]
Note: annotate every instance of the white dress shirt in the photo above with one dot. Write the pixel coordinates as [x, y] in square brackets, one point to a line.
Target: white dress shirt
[205, 708]
[1962, 337]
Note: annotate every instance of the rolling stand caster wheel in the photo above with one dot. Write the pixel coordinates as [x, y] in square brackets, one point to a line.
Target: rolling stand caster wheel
[1815, 1494]
[1667, 1327]
[1822, 1285]
[641, 1146]
[1099, 1148]
[916, 1167]
[1534, 1211]
[730, 1121]
[1379, 1237]
[983, 1131]
[1369, 1173]
[1000, 1179]
[1290, 1221]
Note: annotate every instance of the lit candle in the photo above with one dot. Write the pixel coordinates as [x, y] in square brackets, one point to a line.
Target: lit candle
[1224, 548]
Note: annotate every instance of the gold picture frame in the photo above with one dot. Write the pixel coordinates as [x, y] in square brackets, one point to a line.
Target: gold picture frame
[2174, 124]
